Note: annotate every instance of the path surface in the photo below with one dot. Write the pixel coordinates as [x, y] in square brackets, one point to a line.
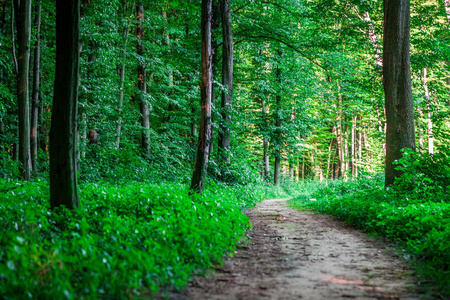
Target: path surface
[295, 254]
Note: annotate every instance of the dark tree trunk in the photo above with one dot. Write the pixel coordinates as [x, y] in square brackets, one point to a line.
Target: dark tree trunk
[201, 161]
[397, 84]
[23, 24]
[35, 95]
[63, 171]
[145, 121]
[227, 81]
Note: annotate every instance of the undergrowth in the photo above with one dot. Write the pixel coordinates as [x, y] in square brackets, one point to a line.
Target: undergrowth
[123, 242]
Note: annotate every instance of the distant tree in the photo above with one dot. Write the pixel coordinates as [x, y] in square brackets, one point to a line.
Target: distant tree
[145, 121]
[23, 23]
[204, 137]
[397, 84]
[36, 84]
[63, 130]
[227, 81]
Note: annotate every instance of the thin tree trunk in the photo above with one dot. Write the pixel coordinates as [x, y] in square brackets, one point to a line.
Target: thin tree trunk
[63, 139]
[291, 171]
[353, 145]
[145, 114]
[201, 161]
[227, 81]
[265, 142]
[429, 113]
[360, 147]
[277, 173]
[122, 81]
[23, 24]
[419, 128]
[397, 84]
[36, 85]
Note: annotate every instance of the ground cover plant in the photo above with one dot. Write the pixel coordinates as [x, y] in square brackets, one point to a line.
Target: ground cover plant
[416, 214]
[122, 241]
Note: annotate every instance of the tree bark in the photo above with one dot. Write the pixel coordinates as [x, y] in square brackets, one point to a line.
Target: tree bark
[429, 113]
[201, 161]
[145, 114]
[23, 24]
[397, 84]
[227, 82]
[122, 81]
[277, 173]
[63, 139]
[35, 94]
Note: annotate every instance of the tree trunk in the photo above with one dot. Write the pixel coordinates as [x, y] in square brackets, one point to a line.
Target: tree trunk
[63, 171]
[291, 171]
[265, 142]
[23, 24]
[429, 113]
[42, 127]
[201, 161]
[122, 80]
[227, 81]
[277, 173]
[35, 95]
[145, 114]
[397, 84]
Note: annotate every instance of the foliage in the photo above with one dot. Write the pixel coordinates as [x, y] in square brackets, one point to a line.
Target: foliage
[417, 219]
[123, 242]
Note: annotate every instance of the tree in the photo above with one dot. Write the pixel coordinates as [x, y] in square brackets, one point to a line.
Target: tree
[23, 24]
[35, 94]
[227, 81]
[204, 137]
[63, 130]
[397, 84]
[142, 87]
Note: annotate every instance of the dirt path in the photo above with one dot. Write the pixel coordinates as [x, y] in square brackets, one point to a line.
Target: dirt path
[295, 254]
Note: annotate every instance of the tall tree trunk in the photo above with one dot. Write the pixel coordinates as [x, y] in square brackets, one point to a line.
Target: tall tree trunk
[227, 81]
[145, 114]
[397, 84]
[373, 40]
[277, 173]
[122, 80]
[353, 148]
[36, 85]
[201, 161]
[339, 135]
[265, 141]
[429, 113]
[63, 139]
[23, 24]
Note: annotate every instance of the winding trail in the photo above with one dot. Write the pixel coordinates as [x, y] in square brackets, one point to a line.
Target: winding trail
[294, 254]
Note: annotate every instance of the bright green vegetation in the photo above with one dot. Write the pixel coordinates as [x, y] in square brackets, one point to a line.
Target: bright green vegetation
[416, 215]
[122, 242]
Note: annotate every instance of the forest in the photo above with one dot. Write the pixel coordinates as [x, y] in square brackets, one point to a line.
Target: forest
[135, 134]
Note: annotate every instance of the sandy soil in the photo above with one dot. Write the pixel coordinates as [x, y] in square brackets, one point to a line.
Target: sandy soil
[295, 254]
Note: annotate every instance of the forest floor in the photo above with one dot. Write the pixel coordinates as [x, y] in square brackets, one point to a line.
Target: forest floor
[292, 254]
